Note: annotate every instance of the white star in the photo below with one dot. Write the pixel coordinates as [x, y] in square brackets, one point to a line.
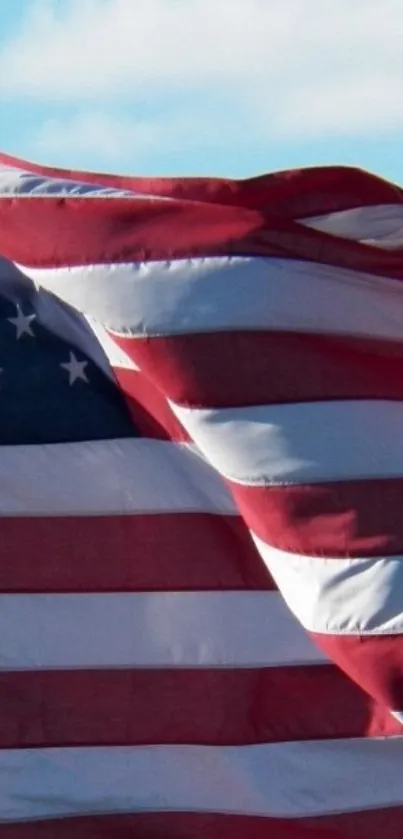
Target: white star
[75, 369]
[22, 323]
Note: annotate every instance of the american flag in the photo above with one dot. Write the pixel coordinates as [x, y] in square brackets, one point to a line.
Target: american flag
[200, 494]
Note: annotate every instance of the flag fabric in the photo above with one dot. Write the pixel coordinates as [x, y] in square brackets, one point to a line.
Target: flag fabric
[201, 593]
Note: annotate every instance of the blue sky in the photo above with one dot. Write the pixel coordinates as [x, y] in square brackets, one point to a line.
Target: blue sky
[221, 87]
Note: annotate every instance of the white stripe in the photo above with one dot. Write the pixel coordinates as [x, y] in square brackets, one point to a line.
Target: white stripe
[380, 225]
[18, 182]
[116, 356]
[108, 477]
[191, 629]
[303, 442]
[202, 295]
[339, 596]
[312, 778]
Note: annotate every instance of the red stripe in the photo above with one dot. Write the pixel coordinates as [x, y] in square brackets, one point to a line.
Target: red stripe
[293, 194]
[61, 232]
[161, 552]
[252, 368]
[148, 407]
[370, 824]
[205, 707]
[336, 519]
[57, 232]
[373, 661]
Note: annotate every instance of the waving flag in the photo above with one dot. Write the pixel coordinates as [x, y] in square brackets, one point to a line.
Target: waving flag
[200, 405]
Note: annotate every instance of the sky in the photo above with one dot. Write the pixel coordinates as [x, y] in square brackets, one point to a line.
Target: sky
[232, 88]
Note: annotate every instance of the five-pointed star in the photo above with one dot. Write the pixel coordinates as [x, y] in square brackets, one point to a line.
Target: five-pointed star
[22, 323]
[75, 369]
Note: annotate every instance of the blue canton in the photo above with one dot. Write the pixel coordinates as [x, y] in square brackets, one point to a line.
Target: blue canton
[50, 390]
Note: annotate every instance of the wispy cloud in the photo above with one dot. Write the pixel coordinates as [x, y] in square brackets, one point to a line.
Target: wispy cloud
[98, 134]
[110, 136]
[293, 68]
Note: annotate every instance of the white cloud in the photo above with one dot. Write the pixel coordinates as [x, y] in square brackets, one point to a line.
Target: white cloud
[292, 67]
[335, 108]
[109, 47]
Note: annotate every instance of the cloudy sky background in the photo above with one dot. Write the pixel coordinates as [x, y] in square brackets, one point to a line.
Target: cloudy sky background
[226, 87]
